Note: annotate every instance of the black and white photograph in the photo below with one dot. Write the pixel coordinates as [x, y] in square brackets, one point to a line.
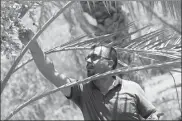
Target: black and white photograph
[91, 60]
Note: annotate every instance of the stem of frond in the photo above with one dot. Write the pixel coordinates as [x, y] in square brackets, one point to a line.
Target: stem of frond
[10, 72]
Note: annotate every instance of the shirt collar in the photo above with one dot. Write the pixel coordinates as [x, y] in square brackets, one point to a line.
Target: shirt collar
[117, 82]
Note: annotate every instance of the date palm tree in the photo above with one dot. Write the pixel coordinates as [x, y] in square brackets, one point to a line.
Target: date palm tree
[98, 18]
[118, 23]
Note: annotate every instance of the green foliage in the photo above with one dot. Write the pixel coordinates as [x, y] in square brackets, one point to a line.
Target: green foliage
[11, 14]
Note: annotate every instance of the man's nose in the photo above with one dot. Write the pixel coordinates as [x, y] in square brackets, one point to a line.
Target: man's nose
[89, 60]
[89, 65]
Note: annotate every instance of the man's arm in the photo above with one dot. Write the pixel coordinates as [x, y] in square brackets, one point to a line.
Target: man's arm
[145, 107]
[43, 63]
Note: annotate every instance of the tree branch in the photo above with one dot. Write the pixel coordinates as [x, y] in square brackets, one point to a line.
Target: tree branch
[94, 77]
[26, 47]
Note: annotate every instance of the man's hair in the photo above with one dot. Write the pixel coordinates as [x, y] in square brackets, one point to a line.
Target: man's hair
[112, 54]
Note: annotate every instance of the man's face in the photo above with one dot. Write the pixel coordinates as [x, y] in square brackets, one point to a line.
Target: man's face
[98, 61]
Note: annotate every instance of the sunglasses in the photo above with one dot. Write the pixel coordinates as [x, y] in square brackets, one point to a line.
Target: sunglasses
[94, 57]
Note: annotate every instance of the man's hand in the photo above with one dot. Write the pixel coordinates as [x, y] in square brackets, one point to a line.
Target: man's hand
[43, 63]
[25, 35]
[155, 116]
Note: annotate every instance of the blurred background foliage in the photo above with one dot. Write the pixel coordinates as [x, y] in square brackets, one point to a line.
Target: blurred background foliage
[91, 19]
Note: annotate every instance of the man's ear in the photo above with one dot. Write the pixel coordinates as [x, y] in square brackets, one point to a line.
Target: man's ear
[110, 63]
[90, 19]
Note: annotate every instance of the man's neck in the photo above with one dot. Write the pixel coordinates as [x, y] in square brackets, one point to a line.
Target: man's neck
[105, 84]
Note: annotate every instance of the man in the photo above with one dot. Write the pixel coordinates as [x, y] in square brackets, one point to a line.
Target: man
[109, 98]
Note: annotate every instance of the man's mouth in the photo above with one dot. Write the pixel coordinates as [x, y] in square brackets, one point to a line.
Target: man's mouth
[89, 67]
[90, 71]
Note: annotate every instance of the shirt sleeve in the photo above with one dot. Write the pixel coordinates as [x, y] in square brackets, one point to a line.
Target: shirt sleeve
[75, 93]
[145, 107]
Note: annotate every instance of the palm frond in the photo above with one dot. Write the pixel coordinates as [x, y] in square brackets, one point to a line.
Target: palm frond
[10, 72]
[174, 70]
[145, 40]
[94, 77]
[50, 52]
[148, 46]
[127, 36]
[138, 45]
[89, 7]
[106, 6]
[163, 21]
[145, 57]
[104, 37]
[77, 41]
[69, 43]
[154, 43]
[171, 8]
[157, 39]
[142, 39]
[176, 90]
[150, 52]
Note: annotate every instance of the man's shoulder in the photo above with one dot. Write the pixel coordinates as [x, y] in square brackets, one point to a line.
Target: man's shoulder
[130, 85]
[87, 85]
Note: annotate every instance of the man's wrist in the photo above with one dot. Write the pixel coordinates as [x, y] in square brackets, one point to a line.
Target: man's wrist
[34, 47]
[153, 116]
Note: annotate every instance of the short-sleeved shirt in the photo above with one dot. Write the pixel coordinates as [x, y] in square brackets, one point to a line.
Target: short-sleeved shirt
[126, 101]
